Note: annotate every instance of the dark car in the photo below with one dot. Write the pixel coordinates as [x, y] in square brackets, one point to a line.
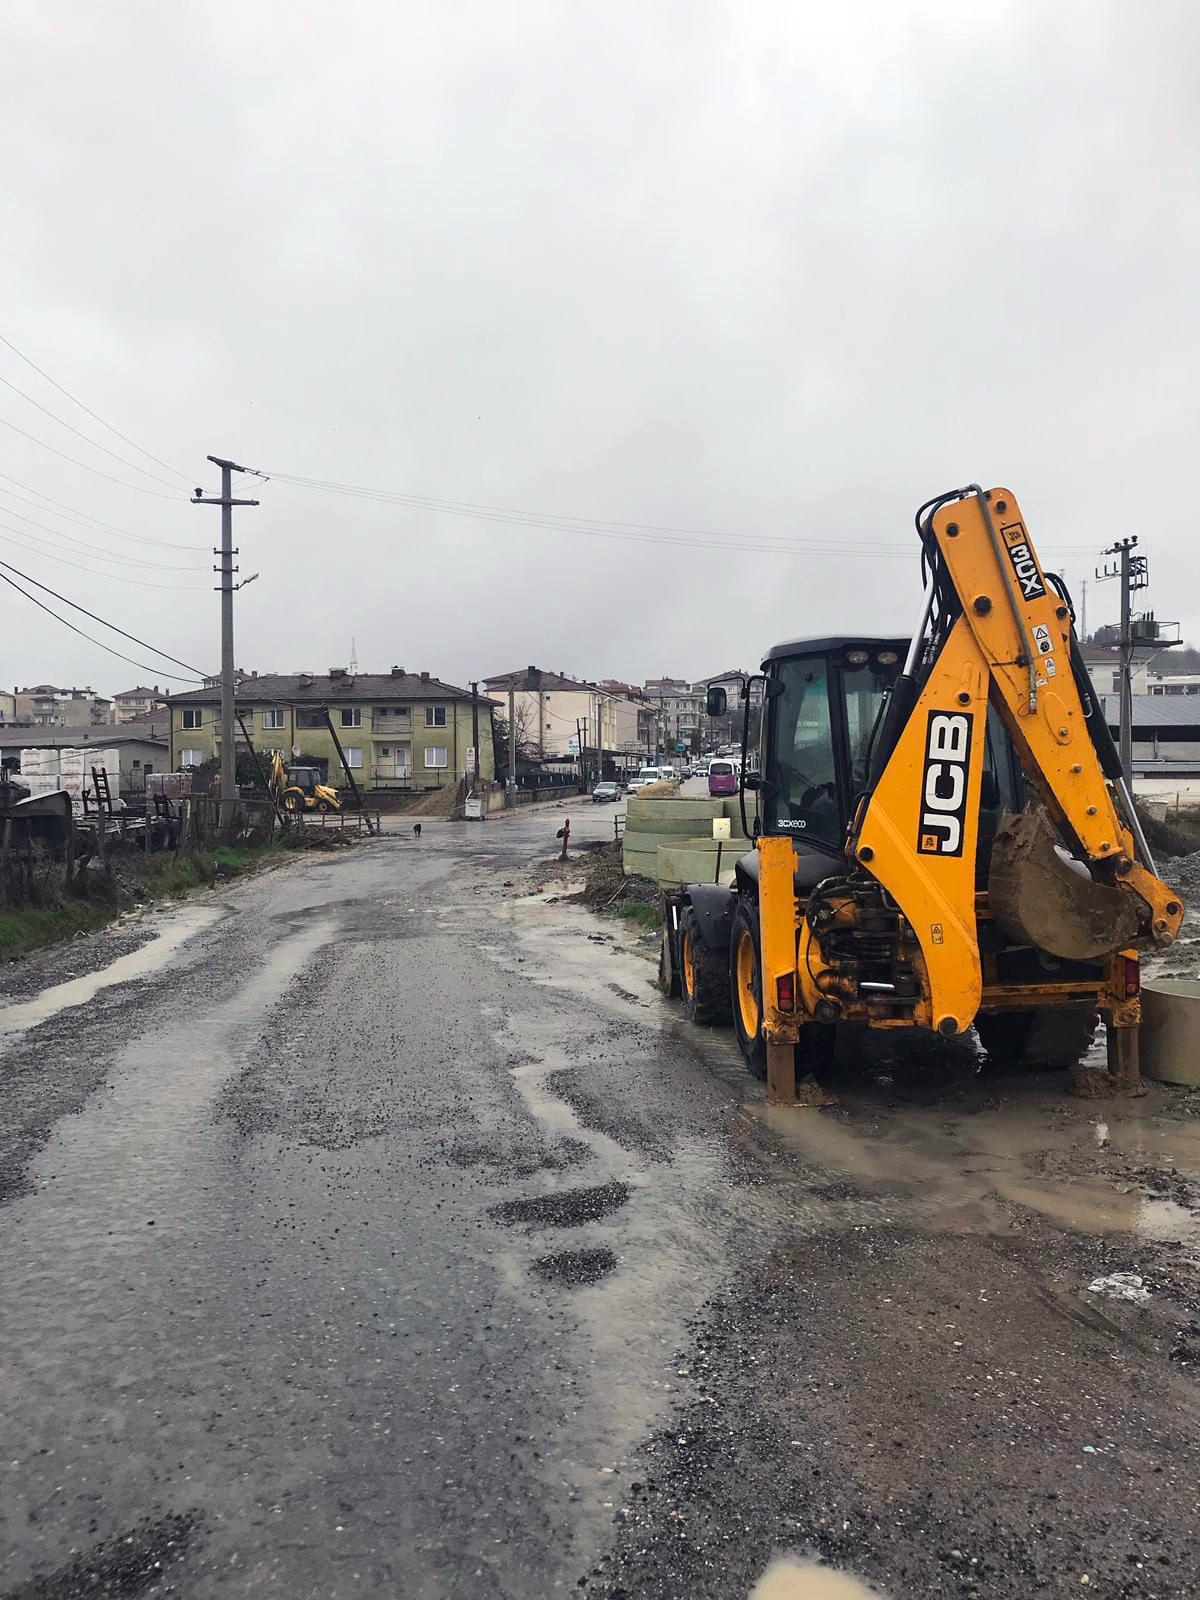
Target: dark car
[605, 791]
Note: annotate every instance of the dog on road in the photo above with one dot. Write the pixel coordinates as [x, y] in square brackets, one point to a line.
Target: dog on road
[416, 830]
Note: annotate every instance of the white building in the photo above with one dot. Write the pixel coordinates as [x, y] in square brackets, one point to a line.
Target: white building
[556, 714]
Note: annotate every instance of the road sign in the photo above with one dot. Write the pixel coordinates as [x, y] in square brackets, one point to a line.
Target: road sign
[470, 761]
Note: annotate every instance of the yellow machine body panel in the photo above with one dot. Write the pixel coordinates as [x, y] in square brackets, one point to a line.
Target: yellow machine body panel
[921, 830]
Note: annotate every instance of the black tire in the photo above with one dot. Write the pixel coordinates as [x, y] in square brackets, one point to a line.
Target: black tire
[703, 975]
[814, 1049]
[324, 807]
[745, 987]
[293, 802]
[1048, 1040]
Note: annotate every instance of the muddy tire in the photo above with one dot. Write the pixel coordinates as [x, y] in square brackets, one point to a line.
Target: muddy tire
[703, 975]
[745, 987]
[1048, 1040]
[293, 802]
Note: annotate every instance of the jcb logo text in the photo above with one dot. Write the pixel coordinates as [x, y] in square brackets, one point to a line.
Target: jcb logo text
[944, 784]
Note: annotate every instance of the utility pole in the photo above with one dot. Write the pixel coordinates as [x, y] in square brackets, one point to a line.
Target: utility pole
[226, 588]
[1133, 573]
[476, 776]
[512, 737]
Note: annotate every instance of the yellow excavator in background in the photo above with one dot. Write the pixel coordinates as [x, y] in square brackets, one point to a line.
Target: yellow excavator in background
[945, 837]
[300, 788]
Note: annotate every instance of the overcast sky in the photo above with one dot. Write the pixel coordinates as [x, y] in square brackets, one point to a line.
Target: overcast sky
[776, 272]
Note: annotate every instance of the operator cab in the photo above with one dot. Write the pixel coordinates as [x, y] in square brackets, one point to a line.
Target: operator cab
[305, 779]
[822, 710]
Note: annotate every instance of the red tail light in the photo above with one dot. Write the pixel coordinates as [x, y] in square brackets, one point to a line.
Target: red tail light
[1133, 977]
[785, 992]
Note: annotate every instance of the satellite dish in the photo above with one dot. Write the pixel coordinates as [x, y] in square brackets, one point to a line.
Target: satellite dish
[295, 751]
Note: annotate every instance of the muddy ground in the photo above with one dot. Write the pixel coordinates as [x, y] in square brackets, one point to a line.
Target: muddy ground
[380, 1229]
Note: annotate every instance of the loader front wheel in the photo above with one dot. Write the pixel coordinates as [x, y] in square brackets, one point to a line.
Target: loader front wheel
[1047, 1040]
[703, 978]
[745, 988]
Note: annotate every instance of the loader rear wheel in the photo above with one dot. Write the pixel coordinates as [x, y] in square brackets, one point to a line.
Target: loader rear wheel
[293, 802]
[745, 988]
[703, 977]
[1047, 1040]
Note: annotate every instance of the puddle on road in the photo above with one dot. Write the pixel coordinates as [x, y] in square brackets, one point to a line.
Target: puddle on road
[149, 958]
[809, 1580]
[947, 1172]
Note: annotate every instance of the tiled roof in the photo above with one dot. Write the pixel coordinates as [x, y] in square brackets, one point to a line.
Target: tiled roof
[540, 680]
[303, 689]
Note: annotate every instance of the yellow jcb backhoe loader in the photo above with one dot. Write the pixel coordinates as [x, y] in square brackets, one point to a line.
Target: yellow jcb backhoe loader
[300, 788]
[944, 835]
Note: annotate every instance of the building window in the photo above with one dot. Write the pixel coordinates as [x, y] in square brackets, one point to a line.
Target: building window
[272, 719]
[193, 717]
[353, 756]
[435, 755]
[435, 717]
[351, 716]
[190, 758]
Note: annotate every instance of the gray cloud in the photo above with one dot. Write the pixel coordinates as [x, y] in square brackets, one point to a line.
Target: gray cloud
[772, 270]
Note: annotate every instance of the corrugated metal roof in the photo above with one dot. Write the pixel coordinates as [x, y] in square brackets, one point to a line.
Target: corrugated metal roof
[1156, 711]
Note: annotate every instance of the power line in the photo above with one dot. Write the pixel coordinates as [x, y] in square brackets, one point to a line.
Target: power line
[38, 549]
[145, 666]
[101, 555]
[73, 514]
[102, 621]
[134, 446]
[638, 533]
[141, 488]
[132, 465]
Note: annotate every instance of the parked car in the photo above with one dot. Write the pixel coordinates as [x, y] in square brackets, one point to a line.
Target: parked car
[604, 792]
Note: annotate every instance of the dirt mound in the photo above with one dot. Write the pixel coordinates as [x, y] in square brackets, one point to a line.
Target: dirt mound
[437, 802]
[662, 790]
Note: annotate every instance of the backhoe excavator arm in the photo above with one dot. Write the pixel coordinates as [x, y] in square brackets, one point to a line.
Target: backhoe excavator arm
[1001, 635]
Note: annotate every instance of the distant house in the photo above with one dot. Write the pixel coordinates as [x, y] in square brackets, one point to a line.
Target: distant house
[133, 703]
[45, 705]
[398, 730]
[555, 713]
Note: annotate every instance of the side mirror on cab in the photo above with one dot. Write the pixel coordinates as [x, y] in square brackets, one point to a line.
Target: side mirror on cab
[716, 702]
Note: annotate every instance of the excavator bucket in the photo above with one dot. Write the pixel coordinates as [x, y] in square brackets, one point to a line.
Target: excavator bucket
[1039, 898]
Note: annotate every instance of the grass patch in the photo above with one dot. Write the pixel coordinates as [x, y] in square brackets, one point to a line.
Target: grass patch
[163, 877]
[644, 916]
[34, 927]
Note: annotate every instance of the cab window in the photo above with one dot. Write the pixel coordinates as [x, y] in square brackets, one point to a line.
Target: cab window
[802, 773]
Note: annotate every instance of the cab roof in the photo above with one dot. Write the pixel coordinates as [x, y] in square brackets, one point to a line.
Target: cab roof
[835, 644]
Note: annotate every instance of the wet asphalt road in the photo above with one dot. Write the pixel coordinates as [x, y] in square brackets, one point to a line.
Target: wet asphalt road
[382, 1231]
